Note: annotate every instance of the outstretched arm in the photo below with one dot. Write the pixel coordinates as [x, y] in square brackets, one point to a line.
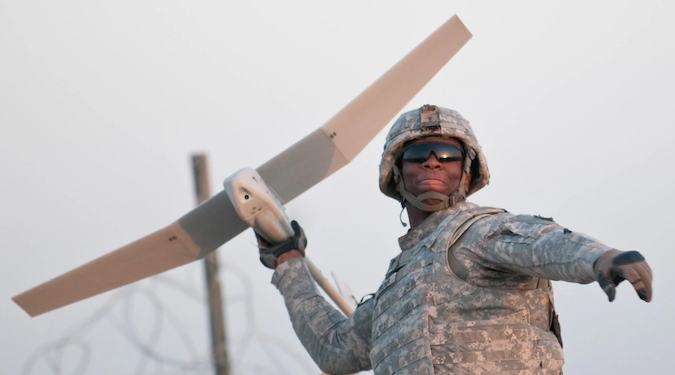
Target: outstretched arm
[541, 248]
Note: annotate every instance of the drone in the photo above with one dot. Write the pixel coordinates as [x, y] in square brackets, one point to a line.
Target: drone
[255, 197]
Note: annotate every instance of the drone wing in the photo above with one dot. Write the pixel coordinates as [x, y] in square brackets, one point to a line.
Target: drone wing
[289, 174]
[339, 140]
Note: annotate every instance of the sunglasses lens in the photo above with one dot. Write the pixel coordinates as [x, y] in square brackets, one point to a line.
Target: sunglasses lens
[445, 152]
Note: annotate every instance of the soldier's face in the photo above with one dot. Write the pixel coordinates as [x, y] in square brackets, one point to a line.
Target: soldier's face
[432, 175]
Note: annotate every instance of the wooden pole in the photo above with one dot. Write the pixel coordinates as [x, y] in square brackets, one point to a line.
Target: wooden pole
[216, 315]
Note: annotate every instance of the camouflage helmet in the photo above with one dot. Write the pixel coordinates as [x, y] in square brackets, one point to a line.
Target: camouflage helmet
[432, 121]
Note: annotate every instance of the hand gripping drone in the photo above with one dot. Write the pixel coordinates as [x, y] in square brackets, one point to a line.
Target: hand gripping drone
[258, 206]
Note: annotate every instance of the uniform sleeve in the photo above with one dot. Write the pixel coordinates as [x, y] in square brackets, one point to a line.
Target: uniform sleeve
[338, 345]
[536, 247]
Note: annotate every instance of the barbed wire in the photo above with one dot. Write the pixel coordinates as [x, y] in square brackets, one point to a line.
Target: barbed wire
[120, 310]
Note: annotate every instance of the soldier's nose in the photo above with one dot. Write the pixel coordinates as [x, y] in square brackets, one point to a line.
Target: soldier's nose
[432, 162]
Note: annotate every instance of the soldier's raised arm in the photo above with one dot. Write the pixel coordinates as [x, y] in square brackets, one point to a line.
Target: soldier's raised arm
[337, 344]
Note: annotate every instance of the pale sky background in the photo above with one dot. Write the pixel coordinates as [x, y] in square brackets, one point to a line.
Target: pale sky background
[102, 104]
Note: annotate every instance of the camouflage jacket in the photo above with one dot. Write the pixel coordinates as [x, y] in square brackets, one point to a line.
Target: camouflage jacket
[493, 259]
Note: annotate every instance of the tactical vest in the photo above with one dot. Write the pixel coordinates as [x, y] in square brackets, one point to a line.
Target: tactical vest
[428, 321]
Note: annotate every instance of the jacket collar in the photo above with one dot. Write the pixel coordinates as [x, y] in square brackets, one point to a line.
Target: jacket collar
[415, 235]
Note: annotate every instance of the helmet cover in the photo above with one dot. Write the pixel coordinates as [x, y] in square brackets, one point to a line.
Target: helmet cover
[432, 121]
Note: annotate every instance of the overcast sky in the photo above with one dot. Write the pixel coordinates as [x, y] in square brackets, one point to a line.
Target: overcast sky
[102, 104]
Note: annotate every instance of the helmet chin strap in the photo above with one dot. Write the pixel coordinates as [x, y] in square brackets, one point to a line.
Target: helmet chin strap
[445, 201]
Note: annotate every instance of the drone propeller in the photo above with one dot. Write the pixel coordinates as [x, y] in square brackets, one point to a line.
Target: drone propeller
[288, 174]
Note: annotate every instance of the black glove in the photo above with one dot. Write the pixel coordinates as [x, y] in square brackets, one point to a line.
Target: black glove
[614, 266]
[270, 253]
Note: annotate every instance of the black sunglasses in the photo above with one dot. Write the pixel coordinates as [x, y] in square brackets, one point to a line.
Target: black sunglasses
[419, 152]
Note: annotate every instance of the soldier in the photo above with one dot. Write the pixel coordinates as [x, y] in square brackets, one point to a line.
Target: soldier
[470, 291]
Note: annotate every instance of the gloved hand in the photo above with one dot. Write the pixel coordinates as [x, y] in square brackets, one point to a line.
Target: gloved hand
[270, 253]
[614, 266]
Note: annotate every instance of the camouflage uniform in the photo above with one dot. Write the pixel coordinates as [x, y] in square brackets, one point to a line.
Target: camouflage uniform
[468, 294]
[470, 291]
